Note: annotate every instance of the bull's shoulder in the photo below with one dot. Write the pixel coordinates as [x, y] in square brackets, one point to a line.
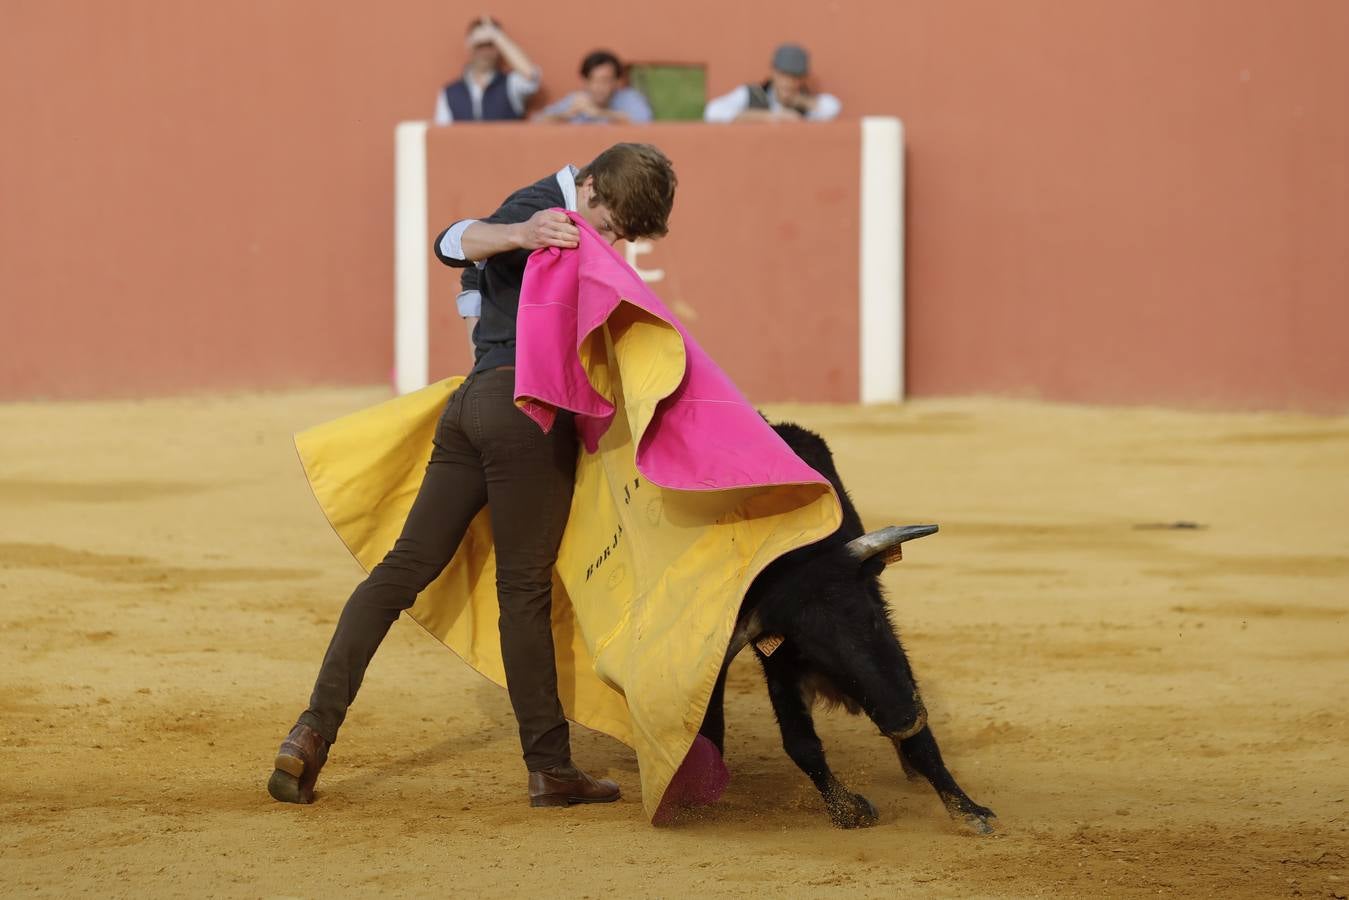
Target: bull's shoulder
[806, 444]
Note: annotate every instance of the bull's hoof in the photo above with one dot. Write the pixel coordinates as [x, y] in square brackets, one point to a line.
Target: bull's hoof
[852, 811]
[973, 818]
[978, 824]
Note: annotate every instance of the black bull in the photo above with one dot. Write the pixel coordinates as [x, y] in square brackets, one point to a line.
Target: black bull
[820, 628]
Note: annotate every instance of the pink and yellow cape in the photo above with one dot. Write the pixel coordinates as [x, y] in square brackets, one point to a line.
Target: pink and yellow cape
[683, 495]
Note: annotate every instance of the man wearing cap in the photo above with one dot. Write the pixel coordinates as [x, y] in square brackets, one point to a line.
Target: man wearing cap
[485, 93]
[783, 97]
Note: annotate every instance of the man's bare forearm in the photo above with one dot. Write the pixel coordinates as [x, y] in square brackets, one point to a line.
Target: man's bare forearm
[515, 57]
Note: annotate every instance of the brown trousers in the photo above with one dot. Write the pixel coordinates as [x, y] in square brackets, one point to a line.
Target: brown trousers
[486, 452]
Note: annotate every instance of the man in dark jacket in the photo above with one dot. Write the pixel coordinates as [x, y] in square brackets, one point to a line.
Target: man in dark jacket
[489, 453]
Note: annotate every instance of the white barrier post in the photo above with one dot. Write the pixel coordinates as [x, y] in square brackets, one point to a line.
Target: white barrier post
[881, 270]
[412, 248]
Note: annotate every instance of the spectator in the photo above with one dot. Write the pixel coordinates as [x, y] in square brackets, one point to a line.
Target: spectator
[485, 93]
[601, 100]
[783, 97]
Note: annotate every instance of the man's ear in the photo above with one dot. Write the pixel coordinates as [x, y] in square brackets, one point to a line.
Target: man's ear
[595, 198]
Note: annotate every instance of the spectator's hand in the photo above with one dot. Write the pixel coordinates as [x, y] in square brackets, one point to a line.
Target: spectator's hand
[547, 228]
[489, 29]
[483, 33]
[480, 35]
[787, 114]
[583, 105]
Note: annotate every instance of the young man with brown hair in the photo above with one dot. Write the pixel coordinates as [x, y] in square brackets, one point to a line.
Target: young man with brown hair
[602, 97]
[488, 452]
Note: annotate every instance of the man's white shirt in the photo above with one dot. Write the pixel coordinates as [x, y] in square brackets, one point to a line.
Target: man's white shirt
[726, 107]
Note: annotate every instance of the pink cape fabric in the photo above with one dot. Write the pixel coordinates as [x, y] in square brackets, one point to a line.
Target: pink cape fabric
[704, 436]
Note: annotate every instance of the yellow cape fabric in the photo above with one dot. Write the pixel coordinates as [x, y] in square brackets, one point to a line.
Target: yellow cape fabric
[648, 581]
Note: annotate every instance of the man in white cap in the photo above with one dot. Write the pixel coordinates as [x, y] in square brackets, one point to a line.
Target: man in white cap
[782, 98]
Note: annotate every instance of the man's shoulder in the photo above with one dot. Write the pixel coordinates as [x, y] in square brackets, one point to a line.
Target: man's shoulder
[631, 95]
[545, 193]
[739, 92]
[546, 186]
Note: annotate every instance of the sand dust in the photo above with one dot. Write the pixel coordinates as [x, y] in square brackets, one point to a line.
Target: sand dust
[1150, 710]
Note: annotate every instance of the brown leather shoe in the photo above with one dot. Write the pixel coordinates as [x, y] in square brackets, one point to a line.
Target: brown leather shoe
[565, 785]
[302, 755]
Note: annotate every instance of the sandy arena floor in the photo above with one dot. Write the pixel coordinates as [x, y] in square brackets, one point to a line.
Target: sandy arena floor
[1150, 711]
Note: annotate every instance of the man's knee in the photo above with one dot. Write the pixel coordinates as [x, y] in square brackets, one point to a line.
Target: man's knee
[396, 581]
[524, 596]
[413, 562]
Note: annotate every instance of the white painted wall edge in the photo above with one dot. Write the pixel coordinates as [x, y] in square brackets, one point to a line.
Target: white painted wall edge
[881, 268]
[412, 248]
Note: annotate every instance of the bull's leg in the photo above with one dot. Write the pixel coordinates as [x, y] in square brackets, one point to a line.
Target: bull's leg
[877, 676]
[909, 771]
[920, 751]
[846, 809]
[714, 720]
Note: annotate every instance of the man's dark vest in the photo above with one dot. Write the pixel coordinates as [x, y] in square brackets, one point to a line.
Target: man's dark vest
[496, 101]
[758, 96]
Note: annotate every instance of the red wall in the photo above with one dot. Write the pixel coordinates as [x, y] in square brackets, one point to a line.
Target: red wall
[1142, 201]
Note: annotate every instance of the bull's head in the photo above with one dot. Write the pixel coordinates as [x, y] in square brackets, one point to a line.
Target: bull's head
[887, 543]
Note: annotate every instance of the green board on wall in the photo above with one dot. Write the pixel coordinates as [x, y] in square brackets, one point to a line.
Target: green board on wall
[675, 92]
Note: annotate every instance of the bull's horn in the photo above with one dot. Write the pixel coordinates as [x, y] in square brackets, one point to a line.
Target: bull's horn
[886, 542]
[751, 629]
